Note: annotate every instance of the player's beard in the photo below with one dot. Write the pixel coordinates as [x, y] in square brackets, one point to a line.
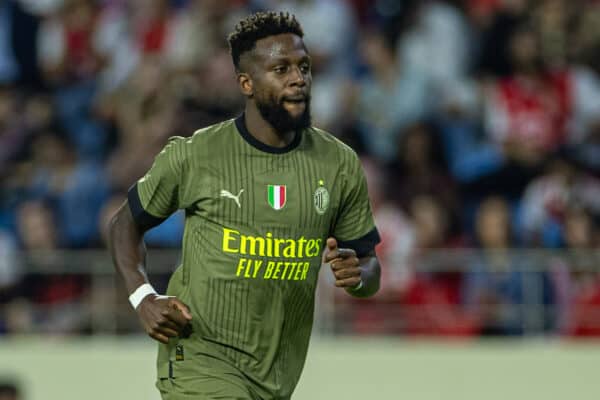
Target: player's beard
[279, 118]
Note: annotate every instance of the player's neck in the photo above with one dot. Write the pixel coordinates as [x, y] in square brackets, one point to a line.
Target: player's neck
[263, 131]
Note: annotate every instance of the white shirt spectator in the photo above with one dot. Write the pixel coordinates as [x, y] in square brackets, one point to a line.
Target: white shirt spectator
[438, 45]
[548, 197]
[586, 103]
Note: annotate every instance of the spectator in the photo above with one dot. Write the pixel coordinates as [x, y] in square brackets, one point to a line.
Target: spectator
[398, 235]
[388, 99]
[9, 69]
[528, 111]
[18, 37]
[553, 20]
[58, 298]
[584, 133]
[437, 44]
[71, 59]
[10, 277]
[500, 286]
[13, 134]
[396, 251]
[10, 267]
[143, 112]
[495, 22]
[433, 300]
[472, 159]
[420, 168]
[77, 188]
[67, 46]
[548, 197]
[575, 276]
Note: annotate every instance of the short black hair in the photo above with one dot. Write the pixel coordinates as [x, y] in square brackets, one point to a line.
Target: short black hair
[259, 26]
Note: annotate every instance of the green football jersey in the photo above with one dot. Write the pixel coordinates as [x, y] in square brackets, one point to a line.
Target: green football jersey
[257, 218]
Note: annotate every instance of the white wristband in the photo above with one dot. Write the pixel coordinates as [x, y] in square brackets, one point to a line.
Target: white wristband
[138, 294]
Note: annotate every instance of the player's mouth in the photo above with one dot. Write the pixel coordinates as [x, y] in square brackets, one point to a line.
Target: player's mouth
[295, 104]
[295, 99]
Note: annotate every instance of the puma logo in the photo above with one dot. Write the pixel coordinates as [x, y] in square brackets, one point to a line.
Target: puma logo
[229, 195]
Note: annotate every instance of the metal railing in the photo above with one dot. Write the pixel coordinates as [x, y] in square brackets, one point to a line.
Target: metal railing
[463, 292]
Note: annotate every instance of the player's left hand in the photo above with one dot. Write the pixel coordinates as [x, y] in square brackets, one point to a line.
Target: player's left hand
[344, 264]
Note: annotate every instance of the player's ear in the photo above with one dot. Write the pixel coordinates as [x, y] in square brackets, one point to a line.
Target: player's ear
[245, 83]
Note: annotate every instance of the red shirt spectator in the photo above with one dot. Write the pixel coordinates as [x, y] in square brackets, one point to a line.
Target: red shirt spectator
[533, 112]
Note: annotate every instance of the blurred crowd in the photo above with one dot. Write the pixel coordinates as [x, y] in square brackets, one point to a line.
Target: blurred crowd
[478, 122]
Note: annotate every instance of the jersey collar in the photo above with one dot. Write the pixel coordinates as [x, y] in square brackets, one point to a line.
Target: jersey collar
[240, 124]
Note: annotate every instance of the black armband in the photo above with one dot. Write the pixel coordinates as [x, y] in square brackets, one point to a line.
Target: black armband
[143, 219]
[363, 246]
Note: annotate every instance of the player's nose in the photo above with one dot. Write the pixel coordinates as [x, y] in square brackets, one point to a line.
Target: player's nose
[297, 78]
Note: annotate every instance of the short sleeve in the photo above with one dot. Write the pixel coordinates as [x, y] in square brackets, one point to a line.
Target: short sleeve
[354, 227]
[154, 197]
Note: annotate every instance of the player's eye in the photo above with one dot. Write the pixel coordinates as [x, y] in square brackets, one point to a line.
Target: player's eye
[280, 69]
[305, 68]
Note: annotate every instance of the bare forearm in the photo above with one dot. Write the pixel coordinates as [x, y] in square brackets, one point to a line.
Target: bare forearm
[370, 275]
[127, 249]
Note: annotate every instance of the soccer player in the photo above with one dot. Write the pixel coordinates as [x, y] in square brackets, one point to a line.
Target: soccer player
[267, 198]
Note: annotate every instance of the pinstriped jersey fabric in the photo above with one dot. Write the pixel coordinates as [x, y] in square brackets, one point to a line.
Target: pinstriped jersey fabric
[256, 225]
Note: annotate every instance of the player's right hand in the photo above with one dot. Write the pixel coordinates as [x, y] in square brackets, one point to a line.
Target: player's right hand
[163, 317]
[344, 264]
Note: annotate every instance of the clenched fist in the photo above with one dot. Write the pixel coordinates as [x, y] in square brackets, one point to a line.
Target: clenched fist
[164, 317]
[344, 265]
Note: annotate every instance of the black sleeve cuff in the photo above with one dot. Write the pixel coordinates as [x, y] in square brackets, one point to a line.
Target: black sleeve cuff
[141, 217]
[362, 246]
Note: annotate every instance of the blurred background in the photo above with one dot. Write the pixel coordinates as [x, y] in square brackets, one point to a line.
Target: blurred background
[478, 123]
